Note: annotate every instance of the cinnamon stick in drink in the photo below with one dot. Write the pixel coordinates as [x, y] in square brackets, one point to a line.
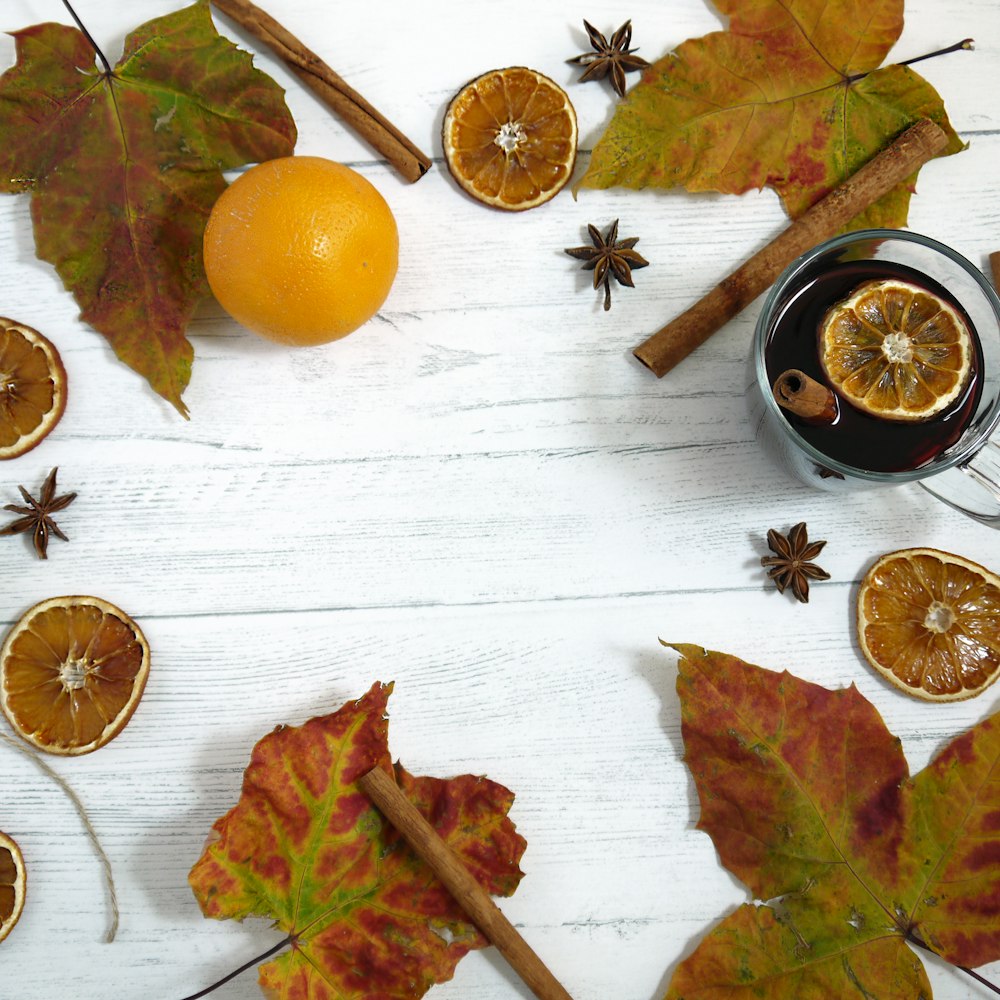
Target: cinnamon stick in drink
[346, 102]
[904, 156]
[468, 893]
[802, 395]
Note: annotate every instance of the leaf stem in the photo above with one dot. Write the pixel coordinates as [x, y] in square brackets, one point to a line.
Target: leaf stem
[979, 979]
[89, 37]
[965, 43]
[915, 938]
[243, 968]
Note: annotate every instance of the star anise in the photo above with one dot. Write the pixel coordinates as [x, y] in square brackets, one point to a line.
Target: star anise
[609, 257]
[36, 516]
[792, 565]
[614, 57]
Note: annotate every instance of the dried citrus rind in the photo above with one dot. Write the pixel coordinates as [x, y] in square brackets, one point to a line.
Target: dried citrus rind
[72, 671]
[13, 882]
[896, 350]
[510, 138]
[32, 388]
[929, 622]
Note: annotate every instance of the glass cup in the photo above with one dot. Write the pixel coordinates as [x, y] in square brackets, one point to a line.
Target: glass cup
[966, 473]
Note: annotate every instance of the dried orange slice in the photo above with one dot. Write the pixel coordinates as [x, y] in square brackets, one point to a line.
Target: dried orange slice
[929, 621]
[13, 881]
[510, 138]
[32, 388]
[896, 350]
[72, 671]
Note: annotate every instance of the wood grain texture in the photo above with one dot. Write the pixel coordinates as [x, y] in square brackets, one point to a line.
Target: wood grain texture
[481, 496]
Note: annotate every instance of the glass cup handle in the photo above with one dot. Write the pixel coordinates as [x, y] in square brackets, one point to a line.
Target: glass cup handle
[972, 487]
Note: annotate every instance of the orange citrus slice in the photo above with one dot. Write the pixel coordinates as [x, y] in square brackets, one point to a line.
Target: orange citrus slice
[510, 138]
[32, 388]
[929, 621]
[72, 671]
[895, 350]
[13, 881]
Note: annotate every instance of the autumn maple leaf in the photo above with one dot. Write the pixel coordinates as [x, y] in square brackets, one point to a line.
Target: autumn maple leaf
[365, 917]
[124, 167]
[789, 96]
[808, 799]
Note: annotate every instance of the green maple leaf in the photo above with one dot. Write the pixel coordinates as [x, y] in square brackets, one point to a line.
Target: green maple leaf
[808, 799]
[123, 170]
[305, 847]
[790, 96]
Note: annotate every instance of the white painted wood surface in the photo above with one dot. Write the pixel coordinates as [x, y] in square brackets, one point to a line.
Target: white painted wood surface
[481, 495]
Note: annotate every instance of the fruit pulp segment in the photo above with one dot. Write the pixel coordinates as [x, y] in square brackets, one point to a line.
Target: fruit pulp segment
[8, 880]
[27, 390]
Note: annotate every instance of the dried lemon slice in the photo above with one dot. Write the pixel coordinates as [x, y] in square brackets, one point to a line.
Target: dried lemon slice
[510, 138]
[895, 350]
[32, 388]
[13, 881]
[929, 622]
[72, 671]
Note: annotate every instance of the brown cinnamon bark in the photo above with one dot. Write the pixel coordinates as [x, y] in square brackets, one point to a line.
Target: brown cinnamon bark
[906, 154]
[468, 893]
[346, 102]
[802, 395]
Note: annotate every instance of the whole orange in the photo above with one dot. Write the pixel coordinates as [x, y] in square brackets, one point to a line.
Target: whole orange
[301, 250]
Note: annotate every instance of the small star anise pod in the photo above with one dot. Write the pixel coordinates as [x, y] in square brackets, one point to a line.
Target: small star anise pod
[614, 57]
[36, 517]
[791, 564]
[609, 257]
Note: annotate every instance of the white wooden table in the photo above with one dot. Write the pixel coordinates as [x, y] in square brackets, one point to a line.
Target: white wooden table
[481, 495]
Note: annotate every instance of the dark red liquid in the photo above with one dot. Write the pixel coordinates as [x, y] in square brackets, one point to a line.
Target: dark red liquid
[857, 438]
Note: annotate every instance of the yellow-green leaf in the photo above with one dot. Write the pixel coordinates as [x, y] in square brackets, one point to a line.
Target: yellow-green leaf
[790, 96]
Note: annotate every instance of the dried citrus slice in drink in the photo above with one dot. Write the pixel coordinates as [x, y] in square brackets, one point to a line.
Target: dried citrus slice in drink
[12, 884]
[929, 621]
[896, 350]
[32, 388]
[510, 138]
[72, 671]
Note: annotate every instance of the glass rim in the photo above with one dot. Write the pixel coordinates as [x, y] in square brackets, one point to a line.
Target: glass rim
[959, 454]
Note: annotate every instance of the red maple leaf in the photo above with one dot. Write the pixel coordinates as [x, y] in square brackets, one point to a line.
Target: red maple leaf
[124, 167]
[304, 846]
[808, 799]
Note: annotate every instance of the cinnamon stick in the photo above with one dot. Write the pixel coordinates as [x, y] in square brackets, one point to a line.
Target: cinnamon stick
[468, 893]
[355, 111]
[802, 395]
[905, 155]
